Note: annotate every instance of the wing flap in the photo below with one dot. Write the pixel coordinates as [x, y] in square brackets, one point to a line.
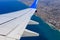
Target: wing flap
[28, 33]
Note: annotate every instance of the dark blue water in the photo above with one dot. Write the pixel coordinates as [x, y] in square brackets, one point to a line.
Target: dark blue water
[7, 6]
[46, 33]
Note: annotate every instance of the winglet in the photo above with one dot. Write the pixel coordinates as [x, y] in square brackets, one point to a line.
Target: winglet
[34, 4]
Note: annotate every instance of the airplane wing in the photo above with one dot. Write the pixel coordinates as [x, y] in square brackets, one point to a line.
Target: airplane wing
[14, 17]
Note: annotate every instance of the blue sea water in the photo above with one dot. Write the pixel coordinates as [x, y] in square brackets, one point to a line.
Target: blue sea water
[7, 6]
[45, 31]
